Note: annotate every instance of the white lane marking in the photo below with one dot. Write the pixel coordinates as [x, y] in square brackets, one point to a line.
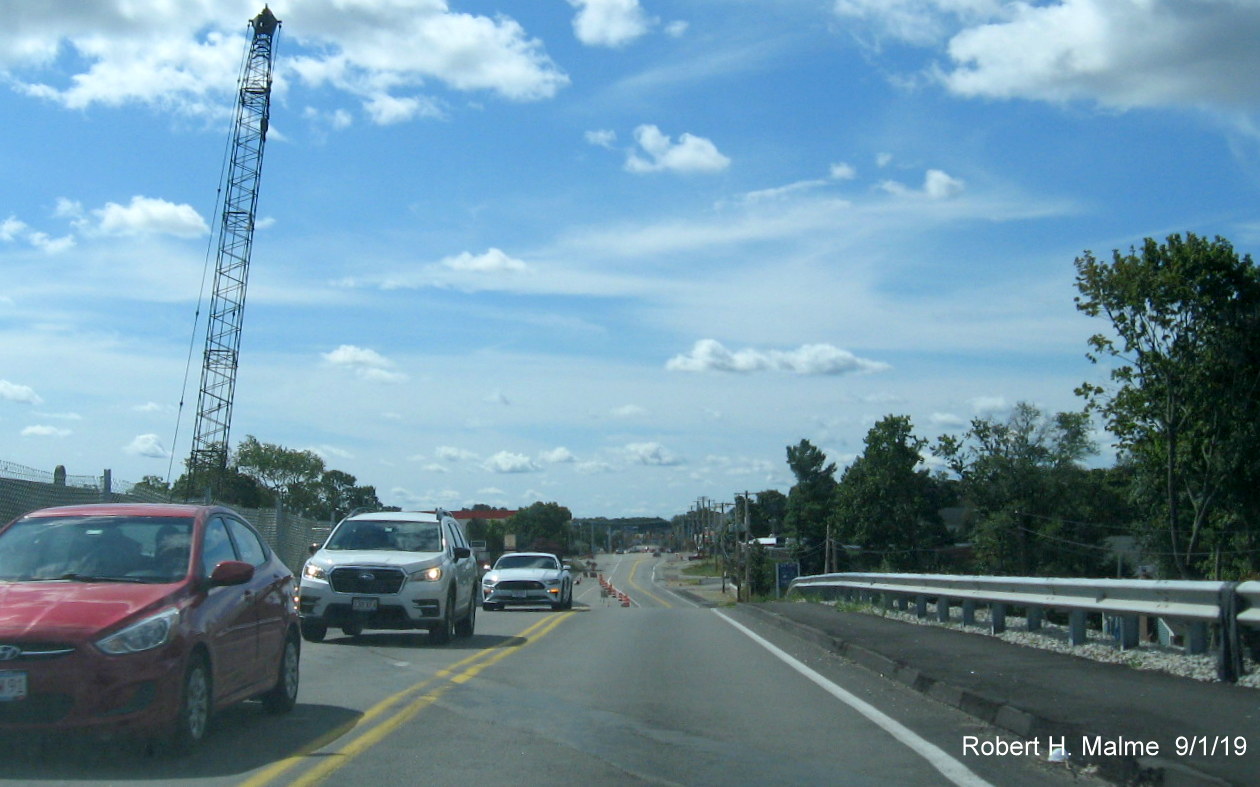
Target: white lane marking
[667, 589]
[949, 767]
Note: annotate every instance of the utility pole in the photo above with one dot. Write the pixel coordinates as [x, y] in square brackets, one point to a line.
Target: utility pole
[747, 539]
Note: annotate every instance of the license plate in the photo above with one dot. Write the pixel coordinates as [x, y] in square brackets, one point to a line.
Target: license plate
[12, 686]
[363, 604]
[517, 594]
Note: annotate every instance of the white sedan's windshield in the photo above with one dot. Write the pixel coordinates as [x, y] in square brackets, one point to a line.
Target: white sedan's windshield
[527, 561]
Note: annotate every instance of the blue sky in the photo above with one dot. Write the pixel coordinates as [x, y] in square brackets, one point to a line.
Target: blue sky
[617, 254]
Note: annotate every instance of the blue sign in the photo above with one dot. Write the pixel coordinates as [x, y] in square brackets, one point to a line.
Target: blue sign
[787, 572]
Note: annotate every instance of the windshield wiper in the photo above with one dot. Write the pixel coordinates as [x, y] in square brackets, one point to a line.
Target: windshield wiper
[74, 577]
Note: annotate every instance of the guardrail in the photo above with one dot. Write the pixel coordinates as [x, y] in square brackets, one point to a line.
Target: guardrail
[1198, 608]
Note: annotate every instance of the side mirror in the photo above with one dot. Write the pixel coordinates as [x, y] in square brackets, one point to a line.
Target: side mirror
[314, 547]
[231, 572]
[462, 553]
[567, 567]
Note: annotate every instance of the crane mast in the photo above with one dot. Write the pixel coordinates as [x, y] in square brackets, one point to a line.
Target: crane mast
[236, 236]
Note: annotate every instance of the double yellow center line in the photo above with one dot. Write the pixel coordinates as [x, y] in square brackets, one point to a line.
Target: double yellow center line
[396, 711]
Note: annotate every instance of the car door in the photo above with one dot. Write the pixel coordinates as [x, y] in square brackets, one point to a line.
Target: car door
[227, 615]
[266, 598]
[465, 568]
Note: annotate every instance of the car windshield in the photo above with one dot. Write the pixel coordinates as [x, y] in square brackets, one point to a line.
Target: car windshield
[526, 561]
[382, 535]
[96, 549]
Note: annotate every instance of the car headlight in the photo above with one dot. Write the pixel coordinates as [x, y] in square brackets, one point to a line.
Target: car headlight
[312, 571]
[428, 574]
[555, 581]
[487, 582]
[145, 635]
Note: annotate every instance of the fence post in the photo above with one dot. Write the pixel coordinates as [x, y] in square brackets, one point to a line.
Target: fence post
[1034, 618]
[107, 485]
[1077, 634]
[969, 612]
[997, 615]
[1229, 660]
[942, 609]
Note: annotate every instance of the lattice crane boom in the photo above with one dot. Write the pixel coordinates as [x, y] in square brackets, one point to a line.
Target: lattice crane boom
[236, 237]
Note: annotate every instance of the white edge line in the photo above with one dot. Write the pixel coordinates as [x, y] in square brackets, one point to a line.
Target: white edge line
[951, 768]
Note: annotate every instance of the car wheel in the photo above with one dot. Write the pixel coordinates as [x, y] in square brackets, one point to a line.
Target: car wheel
[283, 696]
[466, 626]
[568, 601]
[442, 632]
[488, 607]
[314, 631]
[352, 629]
[194, 707]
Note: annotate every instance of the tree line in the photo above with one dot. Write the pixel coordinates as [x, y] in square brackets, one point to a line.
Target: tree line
[1181, 350]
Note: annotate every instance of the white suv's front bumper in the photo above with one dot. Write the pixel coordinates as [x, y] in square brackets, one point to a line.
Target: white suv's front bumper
[372, 597]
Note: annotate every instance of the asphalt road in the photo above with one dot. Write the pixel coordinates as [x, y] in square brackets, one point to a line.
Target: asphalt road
[663, 691]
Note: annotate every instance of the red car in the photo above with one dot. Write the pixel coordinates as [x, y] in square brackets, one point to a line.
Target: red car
[142, 619]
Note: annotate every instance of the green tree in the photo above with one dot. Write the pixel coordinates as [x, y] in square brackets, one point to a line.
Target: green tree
[809, 503]
[283, 471]
[765, 513]
[887, 504]
[1185, 321]
[1021, 477]
[543, 527]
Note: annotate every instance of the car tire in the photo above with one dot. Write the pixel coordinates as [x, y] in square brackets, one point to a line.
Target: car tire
[314, 630]
[568, 601]
[468, 624]
[195, 706]
[283, 696]
[444, 630]
[488, 607]
[352, 629]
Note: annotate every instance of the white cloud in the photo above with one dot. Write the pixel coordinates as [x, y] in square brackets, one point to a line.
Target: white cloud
[628, 411]
[184, 57]
[603, 138]
[146, 215]
[558, 455]
[13, 229]
[810, 359]
[842, 171]
[148, 445]
[611, 23]
[651, 453]
[453, 454]
[493, 261]
[13, 392]
[507, 462]
[1121, 55]
[937, 185]
[43, 430]
[365, 363]
[594, 467]
[988, 405]
[690, 154]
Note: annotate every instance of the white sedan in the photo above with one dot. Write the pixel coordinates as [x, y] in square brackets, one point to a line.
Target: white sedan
[527, 578]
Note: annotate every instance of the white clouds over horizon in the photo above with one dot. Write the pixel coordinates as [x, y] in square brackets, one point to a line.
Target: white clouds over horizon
[610, 23]
[365, 363]
[1118, 54]
[709, 355]
[691, 154]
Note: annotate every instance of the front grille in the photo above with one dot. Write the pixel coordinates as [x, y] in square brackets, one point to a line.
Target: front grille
[519, 584]
[33, 651]
[372, 581]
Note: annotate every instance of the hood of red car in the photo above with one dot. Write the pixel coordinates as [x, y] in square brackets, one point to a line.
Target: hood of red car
[71, 610]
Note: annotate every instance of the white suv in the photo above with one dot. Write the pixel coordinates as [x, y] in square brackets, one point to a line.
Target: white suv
[391, 570]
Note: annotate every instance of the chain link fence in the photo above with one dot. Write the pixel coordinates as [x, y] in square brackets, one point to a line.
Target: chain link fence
[25, 489]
